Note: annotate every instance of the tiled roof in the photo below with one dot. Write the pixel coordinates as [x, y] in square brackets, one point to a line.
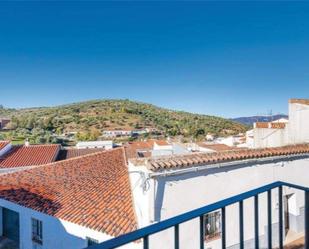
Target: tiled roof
[30, 155]
[92, 191]
[161, 142]
[71, 153]
[216, 147]
[272, 125]
[278, 125]
[133, 149]
[263, 125]
[3, 144]
[299, 101]
[225, 156]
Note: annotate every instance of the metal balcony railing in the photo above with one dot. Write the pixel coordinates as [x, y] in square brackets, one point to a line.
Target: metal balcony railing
[144, 233]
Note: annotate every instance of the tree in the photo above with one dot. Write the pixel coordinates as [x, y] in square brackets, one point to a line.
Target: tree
[30, 123]
[94, 134]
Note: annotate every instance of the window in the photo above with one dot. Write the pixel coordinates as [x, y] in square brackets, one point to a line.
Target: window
[212, 223]
[37, 231]
[91, 242]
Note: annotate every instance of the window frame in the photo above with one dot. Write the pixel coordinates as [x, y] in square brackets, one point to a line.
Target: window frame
[215, 221]
[37, 231]
[92, 241]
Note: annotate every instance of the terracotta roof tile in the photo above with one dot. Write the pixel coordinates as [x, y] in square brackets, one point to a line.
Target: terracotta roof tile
[31, 155]
[278, 125]
[92, 191]
[299, 101]
[161, 142]
[71, 153]
[144, 148]
[194, 159]
[216, 147]
[262, 125]
[267, 125]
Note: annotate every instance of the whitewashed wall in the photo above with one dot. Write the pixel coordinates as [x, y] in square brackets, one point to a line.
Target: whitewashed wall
[299, 123]
[265, 138]
[295, 132]
[57, 233]
[178, 194]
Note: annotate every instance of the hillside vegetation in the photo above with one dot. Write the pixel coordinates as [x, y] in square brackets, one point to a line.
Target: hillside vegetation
[92, 117]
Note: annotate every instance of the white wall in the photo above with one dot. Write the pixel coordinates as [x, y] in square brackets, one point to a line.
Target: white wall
[142, 192]
[299, 123]
[267, 137]
[95, 144]
[295, 132]
[178, 194]
[57, 233]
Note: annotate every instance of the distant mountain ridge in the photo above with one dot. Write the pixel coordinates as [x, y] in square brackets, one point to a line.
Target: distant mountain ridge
[250, 120]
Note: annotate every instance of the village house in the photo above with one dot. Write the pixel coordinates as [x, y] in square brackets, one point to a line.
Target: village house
[209, 147]
[169, 186]
[20, 157]
[107, 145]
[68, 204]
[284, 132]
[117, 133]
[92, 196]
[85, 206]
[153, 148]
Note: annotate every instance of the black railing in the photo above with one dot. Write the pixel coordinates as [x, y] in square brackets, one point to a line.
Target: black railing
[176, 221]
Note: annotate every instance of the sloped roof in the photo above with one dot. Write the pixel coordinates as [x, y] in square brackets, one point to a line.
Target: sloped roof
[3, 144]
[133, 149]
[182, 161]
[161, 142]
[71, 153]
[92, 191]
[31, 155]
[216, 147]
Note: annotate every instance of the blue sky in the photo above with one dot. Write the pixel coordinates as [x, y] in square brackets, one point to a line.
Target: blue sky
[223, 58]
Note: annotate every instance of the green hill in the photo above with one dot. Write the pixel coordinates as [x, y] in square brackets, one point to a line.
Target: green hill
[92, 117]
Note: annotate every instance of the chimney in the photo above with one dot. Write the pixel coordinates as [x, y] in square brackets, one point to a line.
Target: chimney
[27, 143]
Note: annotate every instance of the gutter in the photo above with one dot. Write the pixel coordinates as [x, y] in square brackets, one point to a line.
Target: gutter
[173, 172]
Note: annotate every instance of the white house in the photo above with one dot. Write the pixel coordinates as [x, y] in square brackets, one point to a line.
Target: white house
[229, 141]
[298, 131]
[108, 144]
[170, 186]
[284, 132]
[154, 148]
[162, 148]
[68, 204]
[117, 133]
[209, 147]
[89, 199]
[210, 137]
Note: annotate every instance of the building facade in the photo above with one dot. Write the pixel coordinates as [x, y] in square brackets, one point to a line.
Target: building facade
[284, 132]
[72, 203]
[169, 187]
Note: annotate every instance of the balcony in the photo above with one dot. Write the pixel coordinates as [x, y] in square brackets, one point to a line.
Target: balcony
[141, 237]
